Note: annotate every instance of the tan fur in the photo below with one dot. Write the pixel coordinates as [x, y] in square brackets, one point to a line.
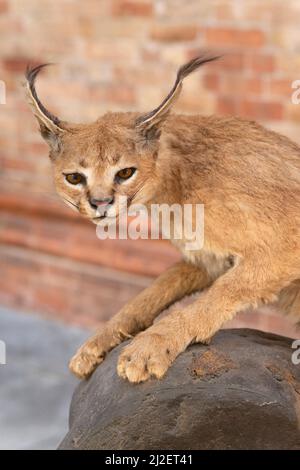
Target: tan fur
[248, 179]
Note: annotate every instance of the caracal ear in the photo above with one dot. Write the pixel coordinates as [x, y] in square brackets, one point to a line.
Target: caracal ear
[51, 127]
[149, 124]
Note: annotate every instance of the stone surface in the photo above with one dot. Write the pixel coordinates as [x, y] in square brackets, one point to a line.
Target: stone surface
[240, 392]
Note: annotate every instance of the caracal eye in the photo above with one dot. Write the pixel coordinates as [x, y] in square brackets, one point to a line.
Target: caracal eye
[125, 173]
[75, 178]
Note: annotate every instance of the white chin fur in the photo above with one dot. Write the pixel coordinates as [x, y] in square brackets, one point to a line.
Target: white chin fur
[106, 221]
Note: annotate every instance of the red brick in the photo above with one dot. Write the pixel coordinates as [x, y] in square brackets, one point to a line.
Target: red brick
[14, 164]
[3, 6]
[234, 37]
[149, 54]
[261, 110]
[35, 148]
[173, 33]
[132, 7]
[18, 64]
[240, 85]
[224, 11]
[263, 320]
[211, 81]
[262, 63]
[51, 300]
[231, 62]
[282, 87]
[231, 85]
[253, 85]
[33, 224]
[121, 94]
[134, 72]
[72, 292]
[227, 105]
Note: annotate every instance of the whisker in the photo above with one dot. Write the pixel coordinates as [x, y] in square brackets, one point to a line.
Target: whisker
[137, 191]
[72, 203]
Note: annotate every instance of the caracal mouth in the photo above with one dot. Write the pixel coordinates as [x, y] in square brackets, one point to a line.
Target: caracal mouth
[104, 219]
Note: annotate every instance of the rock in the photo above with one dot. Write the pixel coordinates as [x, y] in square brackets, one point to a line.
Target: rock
[240, 392]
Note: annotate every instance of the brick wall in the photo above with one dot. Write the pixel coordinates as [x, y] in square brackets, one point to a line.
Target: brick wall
[120, 55]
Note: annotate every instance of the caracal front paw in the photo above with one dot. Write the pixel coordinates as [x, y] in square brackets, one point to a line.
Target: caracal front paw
[94, 350]
[87, 358]
[148, 355]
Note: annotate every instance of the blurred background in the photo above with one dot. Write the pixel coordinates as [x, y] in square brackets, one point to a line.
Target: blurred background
[118, 55]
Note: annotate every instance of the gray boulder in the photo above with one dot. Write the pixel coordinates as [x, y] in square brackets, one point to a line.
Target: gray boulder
[240, 392]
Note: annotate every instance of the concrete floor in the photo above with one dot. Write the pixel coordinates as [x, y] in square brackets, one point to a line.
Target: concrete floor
[35, 384]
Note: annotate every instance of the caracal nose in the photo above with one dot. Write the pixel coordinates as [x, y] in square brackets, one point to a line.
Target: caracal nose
[99, 202]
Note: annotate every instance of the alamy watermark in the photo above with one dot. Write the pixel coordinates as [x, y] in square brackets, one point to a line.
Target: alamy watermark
[296, 93]
[296, 353]
[2, 92]
[182, 223]
[2, 352]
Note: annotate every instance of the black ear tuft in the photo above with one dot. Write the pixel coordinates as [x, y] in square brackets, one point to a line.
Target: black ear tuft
[159, 113]
[193, 65]
[30, 75]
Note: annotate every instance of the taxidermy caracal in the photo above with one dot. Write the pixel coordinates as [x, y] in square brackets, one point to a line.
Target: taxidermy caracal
[248, 179]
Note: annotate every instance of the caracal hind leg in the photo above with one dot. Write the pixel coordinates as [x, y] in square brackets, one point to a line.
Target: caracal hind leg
[151, 353]
[289, 301]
